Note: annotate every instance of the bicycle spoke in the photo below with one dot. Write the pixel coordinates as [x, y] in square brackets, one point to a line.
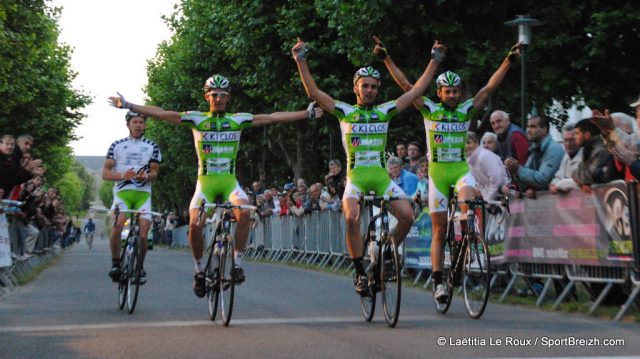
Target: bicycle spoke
[476, 277]
[391, 283]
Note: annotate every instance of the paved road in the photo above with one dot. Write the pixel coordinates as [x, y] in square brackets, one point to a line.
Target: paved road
[69, 311]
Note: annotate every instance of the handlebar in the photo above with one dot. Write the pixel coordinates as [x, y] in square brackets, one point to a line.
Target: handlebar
[230, 206]
[117, 210]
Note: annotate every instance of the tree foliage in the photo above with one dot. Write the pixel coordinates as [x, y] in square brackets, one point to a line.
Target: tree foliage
[35, 82]
[584, 49]
[106, 193]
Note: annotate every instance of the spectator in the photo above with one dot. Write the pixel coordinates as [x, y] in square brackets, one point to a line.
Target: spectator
[563, 180]
[624, 122]
[415, 154]
[486, 167]
[623, 147]
[512, 141]
[312, 202]
[267, 206]
[285, 203]
[335, 168]
[490, 142]
[402, 177]
[171, 223]
[12, 173]
[335, 189]
[301, 182]
[257, 188]
[595, 157]
[543, 162]
[401, 152]
[423, 181]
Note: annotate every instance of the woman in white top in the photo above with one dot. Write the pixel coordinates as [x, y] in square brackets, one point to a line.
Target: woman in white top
[486, 167]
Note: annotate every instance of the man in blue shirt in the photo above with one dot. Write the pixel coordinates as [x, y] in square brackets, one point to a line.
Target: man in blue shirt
[403, 178]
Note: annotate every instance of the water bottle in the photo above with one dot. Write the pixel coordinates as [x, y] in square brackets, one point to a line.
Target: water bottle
[373, 251]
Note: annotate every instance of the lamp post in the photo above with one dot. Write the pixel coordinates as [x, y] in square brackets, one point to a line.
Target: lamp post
[524, 24]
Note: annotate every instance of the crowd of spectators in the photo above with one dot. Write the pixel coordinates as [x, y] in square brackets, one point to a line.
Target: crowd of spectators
[41, 222]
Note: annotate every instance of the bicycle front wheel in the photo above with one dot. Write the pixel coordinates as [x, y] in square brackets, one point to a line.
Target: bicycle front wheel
[391, 282]
[212, 282]
[367, 299]
[132, 284]
[227, 285]
[122, 282]
[477, 276]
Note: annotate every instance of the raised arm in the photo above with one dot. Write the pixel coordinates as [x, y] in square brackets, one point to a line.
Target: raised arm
[437, 54]
[149, 111]
[325, 101]
[496, 79]
[396, 73]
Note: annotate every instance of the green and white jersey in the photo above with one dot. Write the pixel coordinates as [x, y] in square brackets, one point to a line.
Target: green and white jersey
[364, 132]
[446, 130]
[217, 139]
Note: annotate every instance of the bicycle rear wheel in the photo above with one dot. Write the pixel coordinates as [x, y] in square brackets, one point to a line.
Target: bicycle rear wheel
[212, 283]
[227, 285]
[122, 282]
[477, 276]
[132, 284]
[367, 299]
[391, 282]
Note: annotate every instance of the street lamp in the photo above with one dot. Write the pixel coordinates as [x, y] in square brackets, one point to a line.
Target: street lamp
[524, 24]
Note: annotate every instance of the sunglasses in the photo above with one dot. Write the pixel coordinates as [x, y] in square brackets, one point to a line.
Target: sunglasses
[219, 94]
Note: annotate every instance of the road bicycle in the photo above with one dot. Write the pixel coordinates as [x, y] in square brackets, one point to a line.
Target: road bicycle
[467, 259]
[219, 284]
[384, 268]
[88, 237]
[130, 260]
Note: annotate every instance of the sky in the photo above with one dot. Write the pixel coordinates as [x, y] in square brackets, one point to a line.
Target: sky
[112, 41]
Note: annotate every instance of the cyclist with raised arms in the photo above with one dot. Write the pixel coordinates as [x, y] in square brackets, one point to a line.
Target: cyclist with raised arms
[364, 135]
[446, 124]
[217, 138]
[132, 163]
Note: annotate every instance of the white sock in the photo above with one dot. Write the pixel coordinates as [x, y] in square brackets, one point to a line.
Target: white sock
[200, 265]
[238, 258]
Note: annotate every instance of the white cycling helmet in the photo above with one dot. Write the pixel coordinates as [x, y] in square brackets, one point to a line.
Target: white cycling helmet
[448, 79]
[366, 72]
[217, 82]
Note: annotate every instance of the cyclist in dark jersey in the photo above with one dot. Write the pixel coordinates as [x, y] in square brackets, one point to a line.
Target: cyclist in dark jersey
[216, 136]
[364, 134]
[446, 125]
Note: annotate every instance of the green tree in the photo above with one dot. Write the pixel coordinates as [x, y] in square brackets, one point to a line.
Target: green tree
[71, 191]
[582, 50]
[35, 82]
[106, 193]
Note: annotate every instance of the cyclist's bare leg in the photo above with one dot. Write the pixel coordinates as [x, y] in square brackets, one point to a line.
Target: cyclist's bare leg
[242, 228]
[404, 214]
[195, 234]
[439, 226]
[354, 241]
[114, 240]
[144, 234]
[465, 193]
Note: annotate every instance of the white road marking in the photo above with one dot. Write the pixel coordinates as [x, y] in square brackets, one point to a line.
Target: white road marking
[194, 323]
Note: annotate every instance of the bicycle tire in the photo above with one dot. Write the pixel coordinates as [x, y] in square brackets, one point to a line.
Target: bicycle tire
[448, 275]
[368, 301]
[133, 287]
[227, 284]
[477, 276]
[212, 283]
[390, 282]
[122, 283]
